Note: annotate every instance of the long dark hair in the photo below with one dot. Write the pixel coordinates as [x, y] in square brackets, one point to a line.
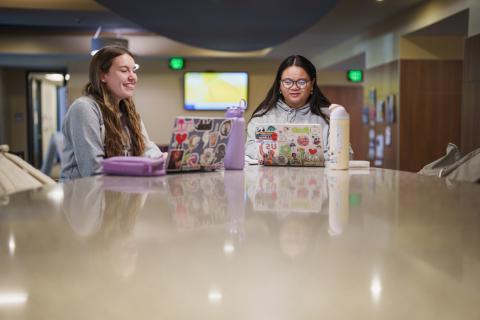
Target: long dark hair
[317, 99]
[114, 136]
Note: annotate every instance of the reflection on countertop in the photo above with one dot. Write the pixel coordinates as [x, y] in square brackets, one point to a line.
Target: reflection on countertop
[104, 211]
[241, 244]
[282, 191]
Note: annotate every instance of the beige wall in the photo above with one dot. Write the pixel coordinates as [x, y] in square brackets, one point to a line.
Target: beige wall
[333, 78]
[474, 18]
[159, 92]
[432, 48]
[381, 43]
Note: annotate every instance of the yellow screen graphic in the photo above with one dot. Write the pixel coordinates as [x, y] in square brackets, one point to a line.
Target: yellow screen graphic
[214, 90]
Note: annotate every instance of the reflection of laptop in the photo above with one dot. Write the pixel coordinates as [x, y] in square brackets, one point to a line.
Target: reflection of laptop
[198, 143]
[198, 201]
[286, 144]
[293, 191]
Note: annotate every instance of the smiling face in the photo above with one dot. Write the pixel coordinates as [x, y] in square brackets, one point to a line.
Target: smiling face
[121, 77]
[295, 97]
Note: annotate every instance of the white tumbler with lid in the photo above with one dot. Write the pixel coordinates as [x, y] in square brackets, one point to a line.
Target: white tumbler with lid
[339, 138]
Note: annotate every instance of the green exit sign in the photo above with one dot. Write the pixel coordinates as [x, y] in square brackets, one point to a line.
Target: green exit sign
[176, 63]
[355, 75]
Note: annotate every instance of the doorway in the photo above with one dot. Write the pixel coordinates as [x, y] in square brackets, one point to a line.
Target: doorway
[47, 103]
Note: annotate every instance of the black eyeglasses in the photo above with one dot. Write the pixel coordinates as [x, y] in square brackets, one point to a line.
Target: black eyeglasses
[300, 83]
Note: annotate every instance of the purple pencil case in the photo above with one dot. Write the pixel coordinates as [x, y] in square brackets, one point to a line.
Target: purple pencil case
[134, 166]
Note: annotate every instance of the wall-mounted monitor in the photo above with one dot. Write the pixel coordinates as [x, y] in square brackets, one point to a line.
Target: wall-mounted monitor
[214, 90]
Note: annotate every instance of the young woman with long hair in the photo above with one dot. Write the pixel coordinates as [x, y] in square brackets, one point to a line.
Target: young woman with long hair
[104, 122]
[293, 98]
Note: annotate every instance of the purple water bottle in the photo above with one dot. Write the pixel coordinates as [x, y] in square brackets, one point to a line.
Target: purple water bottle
[235, 155]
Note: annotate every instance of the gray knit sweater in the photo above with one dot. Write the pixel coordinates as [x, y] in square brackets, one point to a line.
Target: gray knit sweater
[84, 136]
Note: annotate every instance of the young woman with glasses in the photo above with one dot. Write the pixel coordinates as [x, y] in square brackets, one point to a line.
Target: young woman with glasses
[293, 98]
[104, 122]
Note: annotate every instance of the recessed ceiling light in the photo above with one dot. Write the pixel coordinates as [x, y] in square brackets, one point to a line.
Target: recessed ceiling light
[56, 77]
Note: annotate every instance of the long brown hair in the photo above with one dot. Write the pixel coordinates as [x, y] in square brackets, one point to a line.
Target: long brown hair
[317, 99]
[114, 136]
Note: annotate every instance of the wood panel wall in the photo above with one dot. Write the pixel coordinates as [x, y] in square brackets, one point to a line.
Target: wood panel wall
[351, 97]
[385, 80]
[431, 98]
[470, 118]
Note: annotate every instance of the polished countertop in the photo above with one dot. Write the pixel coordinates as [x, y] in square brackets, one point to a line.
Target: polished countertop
[263, 243]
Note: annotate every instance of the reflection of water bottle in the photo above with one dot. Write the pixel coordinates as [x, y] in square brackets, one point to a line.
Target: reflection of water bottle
[235, 190]
[338, 201]
[235, 155]
[339, 138]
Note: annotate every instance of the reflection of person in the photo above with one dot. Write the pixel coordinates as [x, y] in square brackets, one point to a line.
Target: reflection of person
[121, 210]
[84, 206]
[293, 98]
[296, 232]
[293, 237]
[104, 122]
[107, 219]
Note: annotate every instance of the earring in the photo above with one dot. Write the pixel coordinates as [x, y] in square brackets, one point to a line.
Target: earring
[103, 80]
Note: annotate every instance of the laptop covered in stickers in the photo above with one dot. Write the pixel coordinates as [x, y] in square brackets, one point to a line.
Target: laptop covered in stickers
[287, 144]
[198, 143]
